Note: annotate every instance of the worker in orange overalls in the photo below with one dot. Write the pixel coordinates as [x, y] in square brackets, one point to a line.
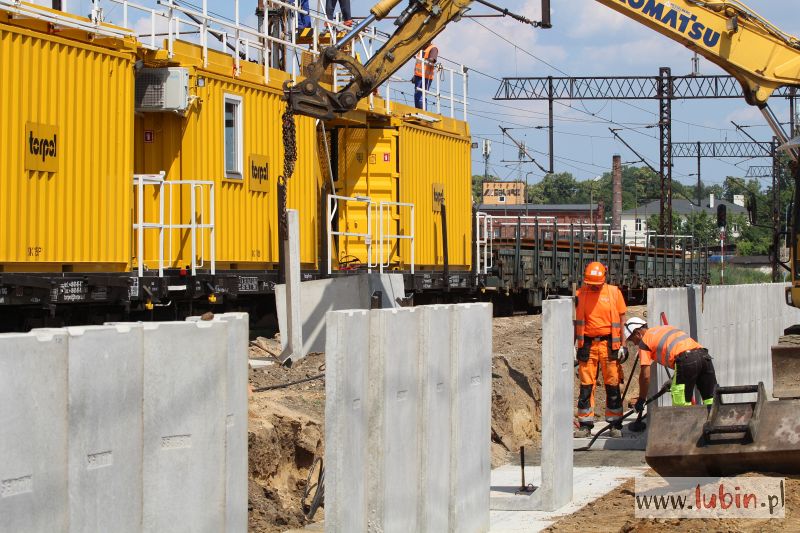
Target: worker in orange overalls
[424, 73]
[599, 317]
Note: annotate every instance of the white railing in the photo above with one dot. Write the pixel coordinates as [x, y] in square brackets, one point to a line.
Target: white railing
[194, 22]
[334, 204]
[483, 242]
[385, 239]
[167, 225]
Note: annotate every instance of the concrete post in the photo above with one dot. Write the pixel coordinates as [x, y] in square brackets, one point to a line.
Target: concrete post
[557, 398]
[291, 247]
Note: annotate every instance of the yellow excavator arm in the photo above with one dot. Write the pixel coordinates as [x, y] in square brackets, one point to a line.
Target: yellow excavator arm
[419, 23]
[727, 33]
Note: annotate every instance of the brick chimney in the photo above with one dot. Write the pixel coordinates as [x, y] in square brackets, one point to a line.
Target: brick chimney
[616, 193]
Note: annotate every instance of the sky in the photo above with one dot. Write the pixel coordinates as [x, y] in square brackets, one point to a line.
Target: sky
[587, 39]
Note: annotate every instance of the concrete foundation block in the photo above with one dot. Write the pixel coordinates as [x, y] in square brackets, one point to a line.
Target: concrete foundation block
[33, 447]
[436, 398]
[235, 420]
[346, 421]
[185, 373]
[318, 297]
[471, 360]
[557, 404]
[105, 428]
[394, 439]
[407, 419]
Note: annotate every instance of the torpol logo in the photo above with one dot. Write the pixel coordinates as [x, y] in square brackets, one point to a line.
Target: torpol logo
[259, 173]
[41, 147]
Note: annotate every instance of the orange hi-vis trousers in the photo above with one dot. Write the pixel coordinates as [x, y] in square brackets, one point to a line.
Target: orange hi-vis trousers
[612, 377]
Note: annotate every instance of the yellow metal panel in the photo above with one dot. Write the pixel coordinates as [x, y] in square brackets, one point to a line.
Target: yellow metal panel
[430, 158]
[192, 148]
[367, 169]
[77, 216]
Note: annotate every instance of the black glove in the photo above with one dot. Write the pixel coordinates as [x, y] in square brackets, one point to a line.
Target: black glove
[639, 405]
[582, 353]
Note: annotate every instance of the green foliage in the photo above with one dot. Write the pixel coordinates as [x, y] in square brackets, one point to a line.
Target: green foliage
[738, 275]
[477, 185]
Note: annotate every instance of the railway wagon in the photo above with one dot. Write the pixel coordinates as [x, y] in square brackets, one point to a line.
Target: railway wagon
[66, 124]
[549, 260]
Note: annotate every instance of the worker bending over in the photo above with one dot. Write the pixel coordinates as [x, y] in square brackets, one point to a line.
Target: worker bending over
[599, 317]
[673, 349]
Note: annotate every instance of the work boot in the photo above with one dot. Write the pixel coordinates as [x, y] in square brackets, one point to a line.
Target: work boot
[615, 433]
[583, 432]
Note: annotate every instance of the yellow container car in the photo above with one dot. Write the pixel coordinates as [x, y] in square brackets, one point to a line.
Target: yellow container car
[389, 169]
[66, 126]
[230, 136]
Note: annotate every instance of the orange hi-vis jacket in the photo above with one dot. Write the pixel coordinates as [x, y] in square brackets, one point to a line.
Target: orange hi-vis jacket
[428, 66]
[605, 309]
[663, 344]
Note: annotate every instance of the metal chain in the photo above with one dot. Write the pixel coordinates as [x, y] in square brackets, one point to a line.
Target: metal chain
[289, 160]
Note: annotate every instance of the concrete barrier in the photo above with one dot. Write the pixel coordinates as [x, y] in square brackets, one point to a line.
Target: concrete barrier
[185, 366]
[105, 428]
[33, 447]
[407, 419]
[235, 420]
[321, 296]
[737, 323]
[125, 427]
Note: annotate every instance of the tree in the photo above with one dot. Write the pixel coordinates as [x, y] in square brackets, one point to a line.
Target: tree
[477, 186]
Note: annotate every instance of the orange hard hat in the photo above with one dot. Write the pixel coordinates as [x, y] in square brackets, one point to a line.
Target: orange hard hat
[595, 273]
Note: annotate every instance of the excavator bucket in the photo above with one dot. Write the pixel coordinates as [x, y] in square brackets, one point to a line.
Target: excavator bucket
[786, 370]
[726, 439]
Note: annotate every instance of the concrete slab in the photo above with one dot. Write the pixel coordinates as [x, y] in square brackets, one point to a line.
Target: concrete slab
[393, 450]
[185, 373]
[105, 427]
[471, 392]
[260, 363]
[436, 397]
[589, 483]
[236, 422]
[33, 410]
[318, 297]
[408, 397]
[346, 421]
[629, 440]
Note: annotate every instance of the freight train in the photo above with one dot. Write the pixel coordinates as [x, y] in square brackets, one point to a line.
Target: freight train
[140, 179]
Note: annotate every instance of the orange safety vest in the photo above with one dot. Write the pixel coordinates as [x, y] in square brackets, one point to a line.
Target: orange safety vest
[610, 310]
[428, 66]
[665, 343]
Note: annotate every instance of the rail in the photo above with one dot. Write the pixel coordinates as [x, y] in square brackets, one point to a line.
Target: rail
[164, 190]
[483, 242]
[273, 41]
[383, 237]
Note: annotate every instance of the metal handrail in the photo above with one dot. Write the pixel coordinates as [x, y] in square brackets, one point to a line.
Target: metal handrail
[367, 236]
[382, 236]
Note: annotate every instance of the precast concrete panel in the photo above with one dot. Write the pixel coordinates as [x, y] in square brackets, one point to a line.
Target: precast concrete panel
[394, 414]
[471, 391]
[105, 428]
[557, 398]
[346, 421]
[435, 347]
[33, 446]
[236, 474]
[185, 368]
[737, 323]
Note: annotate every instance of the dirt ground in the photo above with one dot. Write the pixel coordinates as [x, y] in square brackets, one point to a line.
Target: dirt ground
[614, 513]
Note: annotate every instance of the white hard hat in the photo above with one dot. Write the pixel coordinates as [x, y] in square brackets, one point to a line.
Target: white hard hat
[633, 324]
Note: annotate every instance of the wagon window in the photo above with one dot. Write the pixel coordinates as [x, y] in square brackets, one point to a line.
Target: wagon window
[233, 136]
